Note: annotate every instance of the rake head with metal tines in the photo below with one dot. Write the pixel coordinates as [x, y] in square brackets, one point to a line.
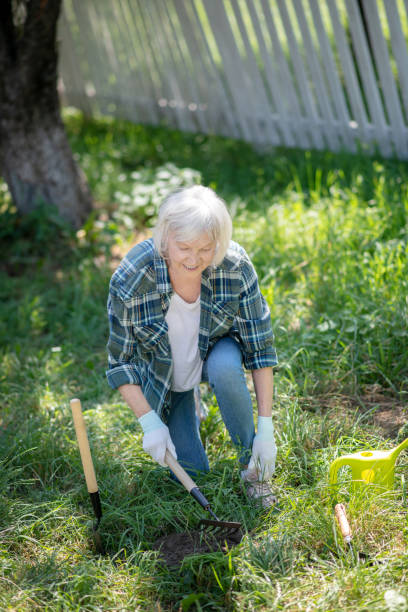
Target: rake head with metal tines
[229, 528]
[221, 529]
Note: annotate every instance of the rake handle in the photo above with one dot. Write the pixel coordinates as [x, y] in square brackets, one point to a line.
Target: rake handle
[187, 482]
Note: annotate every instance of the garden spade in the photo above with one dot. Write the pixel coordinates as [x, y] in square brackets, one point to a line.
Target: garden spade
[214, 525]
[89, 472]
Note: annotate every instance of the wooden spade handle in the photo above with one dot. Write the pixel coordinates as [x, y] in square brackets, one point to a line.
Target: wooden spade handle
[341, 516]
[178, 471]
[83, 443]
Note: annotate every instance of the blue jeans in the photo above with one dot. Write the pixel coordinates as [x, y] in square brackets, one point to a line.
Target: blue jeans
[223, 370]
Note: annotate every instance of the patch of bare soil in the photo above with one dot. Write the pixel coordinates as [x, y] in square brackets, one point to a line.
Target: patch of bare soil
[387, 413]
[175, 547]
[391, 420]
[390, 414]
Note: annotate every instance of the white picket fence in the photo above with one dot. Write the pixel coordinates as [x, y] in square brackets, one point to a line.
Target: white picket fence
[328, 74]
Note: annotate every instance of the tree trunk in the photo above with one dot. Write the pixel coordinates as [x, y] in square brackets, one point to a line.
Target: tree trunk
[35, 157]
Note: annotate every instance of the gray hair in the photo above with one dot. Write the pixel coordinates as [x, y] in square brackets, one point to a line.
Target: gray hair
[189, 212]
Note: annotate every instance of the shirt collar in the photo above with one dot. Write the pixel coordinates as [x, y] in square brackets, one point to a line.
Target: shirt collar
[163, 283]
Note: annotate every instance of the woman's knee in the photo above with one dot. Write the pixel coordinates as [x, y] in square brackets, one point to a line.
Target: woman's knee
[224, 362]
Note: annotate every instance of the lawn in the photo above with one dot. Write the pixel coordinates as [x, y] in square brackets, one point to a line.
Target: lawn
[328, 236]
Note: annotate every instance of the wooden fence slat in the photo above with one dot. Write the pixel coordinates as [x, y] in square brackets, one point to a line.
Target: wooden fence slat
[77, 39]
[255, 87]
[126, 78]
[153, 44]
[368, 78]
[104, 35]
[128, 75]
[166, 52]
[220, 29]
[387, 79]
[332, 77]
[352, 86]
[167, 93]
[189, 81]
[145, 61]
[147, 57]
[286, 86]
[99, 52]
[287, 137]
[211, 88]
[177, 72]
[74, 87]
[217, 77]
[316, 73]
[88, 22]
[216, 72]
[399, 48]
[265, 119]
[304, 89]
[141, 77]
[185, 82]
[234, 71]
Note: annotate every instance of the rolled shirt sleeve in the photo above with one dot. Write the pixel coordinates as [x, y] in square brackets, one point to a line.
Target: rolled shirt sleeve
[253, 322]
[122, 361]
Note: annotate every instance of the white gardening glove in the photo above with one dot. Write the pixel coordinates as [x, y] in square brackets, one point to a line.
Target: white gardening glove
[156, 437]
[262, 463]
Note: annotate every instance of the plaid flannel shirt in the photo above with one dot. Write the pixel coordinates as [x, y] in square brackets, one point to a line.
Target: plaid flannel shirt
[139, 297]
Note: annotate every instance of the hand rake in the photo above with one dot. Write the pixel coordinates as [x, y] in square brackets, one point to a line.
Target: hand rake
[214, 526]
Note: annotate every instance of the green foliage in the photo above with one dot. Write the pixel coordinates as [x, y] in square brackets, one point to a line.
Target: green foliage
[328, 235]
[336, 275]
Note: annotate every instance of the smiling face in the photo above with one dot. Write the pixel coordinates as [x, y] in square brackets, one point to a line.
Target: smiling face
[191, 258]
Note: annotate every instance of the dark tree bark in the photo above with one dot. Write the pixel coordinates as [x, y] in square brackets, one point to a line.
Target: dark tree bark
[35, 157]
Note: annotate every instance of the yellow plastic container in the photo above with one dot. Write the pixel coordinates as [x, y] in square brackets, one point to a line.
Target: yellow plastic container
[371, 467]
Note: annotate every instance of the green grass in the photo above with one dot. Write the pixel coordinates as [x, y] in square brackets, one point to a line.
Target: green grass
[328, 235]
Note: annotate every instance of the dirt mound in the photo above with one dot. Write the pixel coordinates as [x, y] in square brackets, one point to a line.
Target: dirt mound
[174, 547]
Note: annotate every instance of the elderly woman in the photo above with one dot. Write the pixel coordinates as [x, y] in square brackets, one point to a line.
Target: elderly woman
[185, 307]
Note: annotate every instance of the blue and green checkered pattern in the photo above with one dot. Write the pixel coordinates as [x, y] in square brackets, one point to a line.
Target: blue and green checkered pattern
[139, 297]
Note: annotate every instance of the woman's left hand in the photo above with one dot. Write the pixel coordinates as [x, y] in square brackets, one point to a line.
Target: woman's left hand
[262, 463]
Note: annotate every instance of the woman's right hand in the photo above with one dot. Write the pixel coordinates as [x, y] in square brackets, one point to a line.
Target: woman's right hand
[156, 437]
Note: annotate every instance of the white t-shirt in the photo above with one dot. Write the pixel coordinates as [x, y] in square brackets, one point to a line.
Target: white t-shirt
[183, 320]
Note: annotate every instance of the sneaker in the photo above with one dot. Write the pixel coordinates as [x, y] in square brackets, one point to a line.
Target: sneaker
[261, 492]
